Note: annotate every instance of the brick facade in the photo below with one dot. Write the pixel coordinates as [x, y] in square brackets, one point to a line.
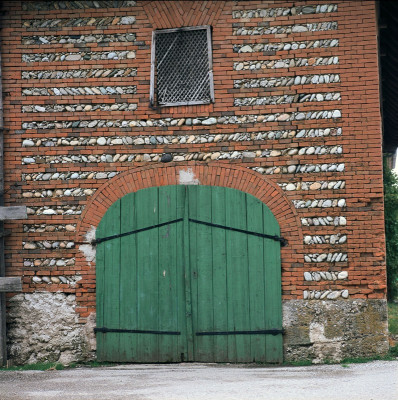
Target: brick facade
[296, 122]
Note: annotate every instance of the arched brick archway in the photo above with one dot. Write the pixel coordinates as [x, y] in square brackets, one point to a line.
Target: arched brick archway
[216, 174]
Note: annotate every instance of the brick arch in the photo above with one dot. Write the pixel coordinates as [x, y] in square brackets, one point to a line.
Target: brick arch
[183, 13]
[215, 174]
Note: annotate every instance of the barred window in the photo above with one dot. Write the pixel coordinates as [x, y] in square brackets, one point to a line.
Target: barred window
[181, 67]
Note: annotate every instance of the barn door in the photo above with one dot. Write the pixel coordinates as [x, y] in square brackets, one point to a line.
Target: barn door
[188, 274]
[235, 277]
[140, 278]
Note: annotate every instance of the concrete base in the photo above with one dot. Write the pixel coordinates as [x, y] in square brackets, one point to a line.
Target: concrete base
[43, 327]
[333, 330]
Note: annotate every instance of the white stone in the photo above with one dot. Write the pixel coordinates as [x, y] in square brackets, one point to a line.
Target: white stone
[49, 212]
[334, 295]
[73, 57]
[246, 49]
[101, 141]
[344, 294]
[283, 117]
[324, 294]
[275, 153]
[28, 143]
[310, 150]
[307, 276]
[342, 275]
[327, 203]
[209, 121]
[299, 28]
[127, 20]
[343, 239]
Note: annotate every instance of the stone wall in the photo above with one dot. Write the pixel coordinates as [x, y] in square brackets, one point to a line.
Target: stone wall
[333, 330]
[44, 327]
[296, 104]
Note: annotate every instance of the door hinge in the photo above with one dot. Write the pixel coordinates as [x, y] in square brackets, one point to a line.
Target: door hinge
[280, 239]
[106, 330]
[258, 332]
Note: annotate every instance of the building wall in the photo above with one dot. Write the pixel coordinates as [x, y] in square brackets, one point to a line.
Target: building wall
[296, 107]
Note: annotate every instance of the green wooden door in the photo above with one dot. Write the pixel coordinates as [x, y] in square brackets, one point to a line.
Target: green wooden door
[189, 281]
[140, 278]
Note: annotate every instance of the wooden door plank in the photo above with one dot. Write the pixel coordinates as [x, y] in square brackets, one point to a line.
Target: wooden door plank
[256, 278]
[148, 282]
[112, 283]
[100, 287]
[273, 300]
[128, 279]
[182, 240]
[189, 236]
[202, 274]
[237, 276]
[168, 300]
[220, 303]
[170, 269]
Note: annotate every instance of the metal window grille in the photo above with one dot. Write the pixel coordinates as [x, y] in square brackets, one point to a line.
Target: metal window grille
[181, 67]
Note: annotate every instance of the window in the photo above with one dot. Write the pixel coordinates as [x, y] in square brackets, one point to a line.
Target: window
[181, 67]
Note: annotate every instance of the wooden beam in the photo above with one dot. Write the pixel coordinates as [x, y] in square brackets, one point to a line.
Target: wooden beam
[16, 212]
[10, 284]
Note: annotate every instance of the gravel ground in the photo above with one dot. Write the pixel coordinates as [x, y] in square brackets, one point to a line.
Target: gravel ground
[370, 381]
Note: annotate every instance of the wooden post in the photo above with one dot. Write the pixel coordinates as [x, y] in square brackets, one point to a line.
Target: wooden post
[18, 212]
[9, 284]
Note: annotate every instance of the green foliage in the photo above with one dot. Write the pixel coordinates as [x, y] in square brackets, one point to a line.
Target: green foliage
[302, 363]
[391, 224]
[35, 367]
[55, 366]
[394, 351]
[393, 318]
[361, 360]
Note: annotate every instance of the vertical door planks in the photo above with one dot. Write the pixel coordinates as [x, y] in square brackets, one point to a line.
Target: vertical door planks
[184, 268]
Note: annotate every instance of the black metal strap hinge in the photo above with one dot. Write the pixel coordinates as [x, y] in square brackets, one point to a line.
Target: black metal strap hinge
[106, 330]
[258, 332]
[100, 240]
[282, 240]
